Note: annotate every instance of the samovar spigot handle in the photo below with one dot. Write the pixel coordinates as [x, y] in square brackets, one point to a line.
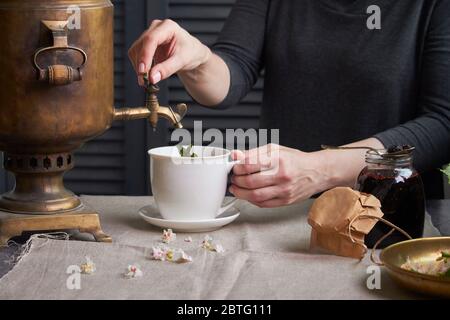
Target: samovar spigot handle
[156, 110]
[153, 110]
[151, 100]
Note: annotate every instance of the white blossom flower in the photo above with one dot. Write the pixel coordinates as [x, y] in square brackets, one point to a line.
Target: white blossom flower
[133, 271]
[88, 267]
[168, 236]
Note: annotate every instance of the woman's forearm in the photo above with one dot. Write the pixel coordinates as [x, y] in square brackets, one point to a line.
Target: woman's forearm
[209, 83]
[343, 166]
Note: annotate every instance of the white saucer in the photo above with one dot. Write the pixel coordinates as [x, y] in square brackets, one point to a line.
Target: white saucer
[151, 215]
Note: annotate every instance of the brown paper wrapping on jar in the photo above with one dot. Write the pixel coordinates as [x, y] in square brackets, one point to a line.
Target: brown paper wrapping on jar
[338, 222]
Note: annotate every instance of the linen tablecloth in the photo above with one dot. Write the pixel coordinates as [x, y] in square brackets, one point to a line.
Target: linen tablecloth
[266, 256]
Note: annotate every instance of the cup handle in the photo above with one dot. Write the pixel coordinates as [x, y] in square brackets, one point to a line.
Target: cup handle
[226, 207]
[230, 166]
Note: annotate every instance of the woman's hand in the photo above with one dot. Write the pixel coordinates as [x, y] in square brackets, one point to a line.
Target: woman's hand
[170, 48]
[273, 176]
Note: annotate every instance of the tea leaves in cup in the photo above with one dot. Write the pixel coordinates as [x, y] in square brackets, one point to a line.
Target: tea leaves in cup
[187, 151]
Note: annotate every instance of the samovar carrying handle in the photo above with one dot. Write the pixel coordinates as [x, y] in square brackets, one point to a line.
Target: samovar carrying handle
[59, 74]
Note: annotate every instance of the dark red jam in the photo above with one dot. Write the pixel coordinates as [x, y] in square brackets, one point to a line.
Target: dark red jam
[400, 190]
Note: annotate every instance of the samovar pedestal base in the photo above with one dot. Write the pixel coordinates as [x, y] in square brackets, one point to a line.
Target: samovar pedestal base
[39, 201]
[39, 187]
[13, 225]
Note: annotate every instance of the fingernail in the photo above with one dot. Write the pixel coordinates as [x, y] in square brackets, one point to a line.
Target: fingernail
[156, 77]
[230, 189]
[141, 67]
[237, 154]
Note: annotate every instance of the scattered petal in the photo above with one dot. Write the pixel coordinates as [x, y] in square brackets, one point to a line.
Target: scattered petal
[133, 271]
[158, 254]
[168, 236]
[170, 254]
[88, 267]
[179, 256]
[219, 248]
[211, 245]
[188, 239]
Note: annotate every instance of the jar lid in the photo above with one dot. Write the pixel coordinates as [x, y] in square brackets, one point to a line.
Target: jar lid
[392, 155]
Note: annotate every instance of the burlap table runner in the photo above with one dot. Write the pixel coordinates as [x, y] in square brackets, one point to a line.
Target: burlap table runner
[267, 257]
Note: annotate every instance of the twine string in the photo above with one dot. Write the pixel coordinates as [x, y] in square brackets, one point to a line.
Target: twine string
[25, 248]
[388, 223]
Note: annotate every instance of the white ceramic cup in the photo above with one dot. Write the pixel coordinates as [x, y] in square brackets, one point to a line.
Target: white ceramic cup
[190, 188]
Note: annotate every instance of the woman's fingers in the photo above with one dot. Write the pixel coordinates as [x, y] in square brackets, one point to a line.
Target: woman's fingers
[165, 69]
[155, 23]
[256, 195]
[247, 168]
[159, 36]
[164, 49]
[244, 167]
[255, 180]
[254, 162]
[237, 155]
[142, 52]
[134, 54]
[147, 48]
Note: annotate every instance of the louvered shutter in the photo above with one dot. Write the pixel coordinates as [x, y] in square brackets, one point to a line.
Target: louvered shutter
[204, 19]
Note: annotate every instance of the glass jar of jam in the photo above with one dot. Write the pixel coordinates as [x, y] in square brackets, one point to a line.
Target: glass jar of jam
[391, 177]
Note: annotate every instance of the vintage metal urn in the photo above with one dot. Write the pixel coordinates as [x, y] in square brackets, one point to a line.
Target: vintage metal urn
[56, 92]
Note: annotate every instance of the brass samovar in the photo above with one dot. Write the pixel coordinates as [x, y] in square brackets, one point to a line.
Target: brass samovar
[56, 92]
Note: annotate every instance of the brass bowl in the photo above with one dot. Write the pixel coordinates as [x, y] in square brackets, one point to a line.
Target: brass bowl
[394, 256]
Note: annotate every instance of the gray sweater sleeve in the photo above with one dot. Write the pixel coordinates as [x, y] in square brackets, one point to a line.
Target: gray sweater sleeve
[430, 131]
[240, 45]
